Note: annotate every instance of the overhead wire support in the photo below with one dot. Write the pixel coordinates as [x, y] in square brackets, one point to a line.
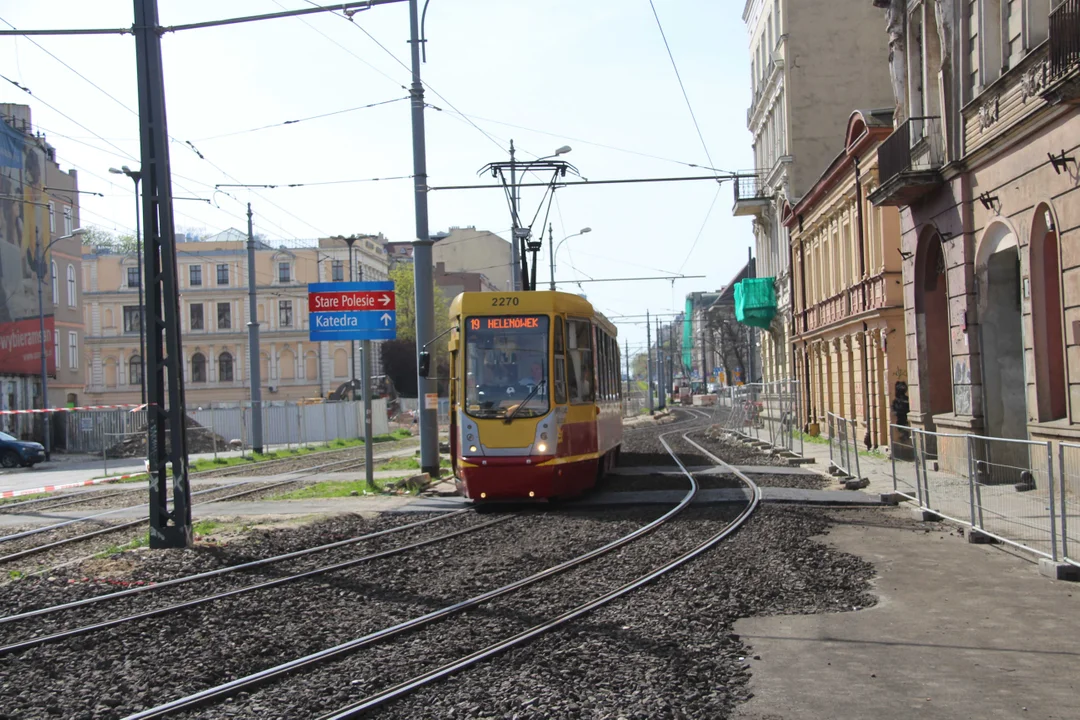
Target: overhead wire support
[578, 183]
[629, 279]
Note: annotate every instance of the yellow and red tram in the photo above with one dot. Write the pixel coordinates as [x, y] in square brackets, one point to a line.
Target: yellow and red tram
[535, 395]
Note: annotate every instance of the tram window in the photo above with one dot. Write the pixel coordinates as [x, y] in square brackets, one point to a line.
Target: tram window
[582, 388]
[506, 365]
[559, 342]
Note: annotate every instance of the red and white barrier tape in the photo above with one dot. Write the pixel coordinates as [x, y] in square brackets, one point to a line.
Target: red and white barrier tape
[133, 407]
[65, 486]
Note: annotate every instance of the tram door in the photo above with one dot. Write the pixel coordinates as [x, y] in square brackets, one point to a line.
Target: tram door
[455, 375]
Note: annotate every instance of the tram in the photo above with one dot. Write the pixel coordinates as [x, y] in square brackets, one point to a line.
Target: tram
[535, 396]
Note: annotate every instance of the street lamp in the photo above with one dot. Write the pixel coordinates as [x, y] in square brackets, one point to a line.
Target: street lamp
[555, 251]
[561, 151]
[136, 176]
[41, 270]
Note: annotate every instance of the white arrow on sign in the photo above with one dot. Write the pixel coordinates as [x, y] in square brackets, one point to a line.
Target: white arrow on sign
[385, 300]
[386, 319]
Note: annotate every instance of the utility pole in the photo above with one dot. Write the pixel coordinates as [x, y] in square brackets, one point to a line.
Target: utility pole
[166, 408]
[662, 394]
[629, 377]
[515, 252]
[422, 282]
[648, 359]
[255, 364]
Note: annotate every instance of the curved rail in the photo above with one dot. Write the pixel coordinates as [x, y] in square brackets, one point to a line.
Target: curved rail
[401, 689]
[250, 681]
[241, 684]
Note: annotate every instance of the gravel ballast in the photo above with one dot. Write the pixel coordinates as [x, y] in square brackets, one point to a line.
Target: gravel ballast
[664, 651]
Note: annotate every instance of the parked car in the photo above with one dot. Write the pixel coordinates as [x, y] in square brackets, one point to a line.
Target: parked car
[14, 452]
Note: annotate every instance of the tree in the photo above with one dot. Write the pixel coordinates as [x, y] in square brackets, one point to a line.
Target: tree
[101, 239]
[640, 365]
[399, 356]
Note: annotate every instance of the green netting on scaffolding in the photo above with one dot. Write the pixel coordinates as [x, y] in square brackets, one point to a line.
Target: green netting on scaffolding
[687, 346]
[755, 301]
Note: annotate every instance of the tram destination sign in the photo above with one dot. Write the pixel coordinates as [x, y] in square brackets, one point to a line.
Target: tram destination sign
[352, 311]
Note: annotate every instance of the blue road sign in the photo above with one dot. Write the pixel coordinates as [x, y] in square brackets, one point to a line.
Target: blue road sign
[352, 311]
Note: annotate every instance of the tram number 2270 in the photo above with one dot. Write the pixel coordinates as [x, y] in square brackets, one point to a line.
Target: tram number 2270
[504, 301]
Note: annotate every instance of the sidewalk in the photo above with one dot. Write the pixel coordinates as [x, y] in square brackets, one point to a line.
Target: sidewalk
[959, 631]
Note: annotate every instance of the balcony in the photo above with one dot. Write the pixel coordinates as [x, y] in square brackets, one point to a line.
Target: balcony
[751, 195]
[909, 162]
[1064, 38]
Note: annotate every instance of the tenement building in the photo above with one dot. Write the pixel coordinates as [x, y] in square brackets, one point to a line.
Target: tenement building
[982, 165]
[848, 331]
[811, 64]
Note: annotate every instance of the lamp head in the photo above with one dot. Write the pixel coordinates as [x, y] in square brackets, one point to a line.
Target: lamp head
[114, 171]
[586, 230]
[563, 150]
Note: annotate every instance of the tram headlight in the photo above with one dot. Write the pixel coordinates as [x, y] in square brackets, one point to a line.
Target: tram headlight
[543, 436]
[541, 447]
[472, 448]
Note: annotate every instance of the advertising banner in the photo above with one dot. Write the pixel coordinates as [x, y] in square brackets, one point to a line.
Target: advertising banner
[20, 347]
[24, 222]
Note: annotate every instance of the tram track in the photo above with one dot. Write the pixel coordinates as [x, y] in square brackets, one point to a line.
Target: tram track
[261, 486]
[389, 636]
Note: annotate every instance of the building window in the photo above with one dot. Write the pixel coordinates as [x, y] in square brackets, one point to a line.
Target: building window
[224, 316]
[284, 272]
[73, 350]
[198, 368]
[56, 348]
[337, 271]
[223, 274]
[132, 318]
[135, 370]
[285, 313]
[52, 218]
[55, 283]
[133, 277]
[71, 286]
[195, 275]
[197, 317]
[68, 226]
[225, 367]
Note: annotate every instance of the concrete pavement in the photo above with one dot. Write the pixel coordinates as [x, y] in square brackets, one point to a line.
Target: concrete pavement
[959, 631]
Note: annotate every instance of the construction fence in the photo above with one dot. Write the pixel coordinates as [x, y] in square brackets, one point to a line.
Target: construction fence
[121, 432]
[1019, 492]
[766, 412]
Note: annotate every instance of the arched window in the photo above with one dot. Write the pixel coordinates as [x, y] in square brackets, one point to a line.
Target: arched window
[225, 367]
[55, 282]
[135, 370]
[71, 286]
[1047, 317]
[198, 368]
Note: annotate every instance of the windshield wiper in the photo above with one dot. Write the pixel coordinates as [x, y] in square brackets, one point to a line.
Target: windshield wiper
[511, 416]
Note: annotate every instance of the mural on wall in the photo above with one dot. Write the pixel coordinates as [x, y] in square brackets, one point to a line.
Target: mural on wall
[23, 224]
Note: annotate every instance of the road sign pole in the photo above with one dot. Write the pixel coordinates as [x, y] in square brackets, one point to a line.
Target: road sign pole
[365, 377]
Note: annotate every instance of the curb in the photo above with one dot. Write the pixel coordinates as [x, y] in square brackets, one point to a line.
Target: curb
[65, 486]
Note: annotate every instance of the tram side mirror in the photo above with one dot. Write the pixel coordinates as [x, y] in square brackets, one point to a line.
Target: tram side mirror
[424, 364]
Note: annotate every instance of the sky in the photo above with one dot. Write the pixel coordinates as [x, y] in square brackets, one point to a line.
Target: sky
[592, 75]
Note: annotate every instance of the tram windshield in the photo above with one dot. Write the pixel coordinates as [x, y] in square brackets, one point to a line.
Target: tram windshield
[506, 366]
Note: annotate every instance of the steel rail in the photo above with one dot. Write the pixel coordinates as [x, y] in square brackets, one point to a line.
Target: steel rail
[54, 526]
[315, 572]
[80, 497]
[358, 708]
[133, 523]
[225, 570]
[225, 689]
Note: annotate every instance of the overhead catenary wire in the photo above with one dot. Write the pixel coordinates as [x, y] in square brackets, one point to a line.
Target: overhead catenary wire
[303, 119]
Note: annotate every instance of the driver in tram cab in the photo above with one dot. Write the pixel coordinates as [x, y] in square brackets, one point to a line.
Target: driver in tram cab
[535, 376]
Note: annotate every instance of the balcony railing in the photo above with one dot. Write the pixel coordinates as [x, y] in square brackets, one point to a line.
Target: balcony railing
[750, 187]
[1064, 37]
[915, 145]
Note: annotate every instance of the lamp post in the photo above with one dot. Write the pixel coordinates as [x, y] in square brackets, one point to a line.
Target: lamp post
[521, 235]
[41, 270]
[555, 251]
[136, 176]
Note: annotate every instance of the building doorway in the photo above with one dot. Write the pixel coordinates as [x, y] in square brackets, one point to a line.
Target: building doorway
[932, 329]
[1001, 340]
[1049, 341]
